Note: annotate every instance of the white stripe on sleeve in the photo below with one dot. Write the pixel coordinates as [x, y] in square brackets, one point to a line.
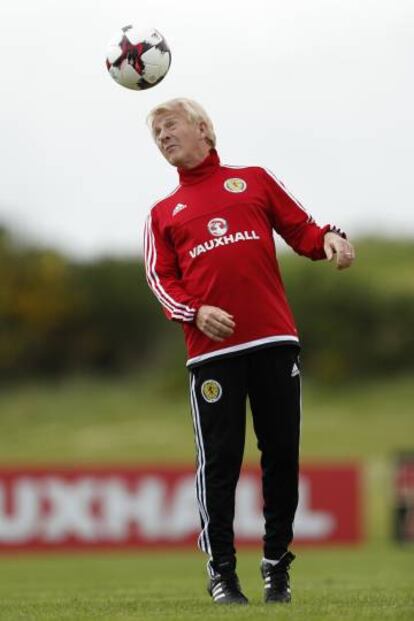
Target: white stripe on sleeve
[282, 186]
[177, 309]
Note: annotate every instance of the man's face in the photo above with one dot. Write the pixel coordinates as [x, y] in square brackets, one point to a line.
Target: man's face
[181, 142]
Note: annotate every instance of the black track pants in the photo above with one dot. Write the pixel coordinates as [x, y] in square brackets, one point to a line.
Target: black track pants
[270, 378]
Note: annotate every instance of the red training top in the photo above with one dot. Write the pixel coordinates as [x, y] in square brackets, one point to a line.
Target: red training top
[211, 242]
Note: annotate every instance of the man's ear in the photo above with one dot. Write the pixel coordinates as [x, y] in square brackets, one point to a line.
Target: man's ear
[202, 129]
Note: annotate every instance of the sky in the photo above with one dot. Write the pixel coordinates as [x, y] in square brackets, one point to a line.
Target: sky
[319, 91]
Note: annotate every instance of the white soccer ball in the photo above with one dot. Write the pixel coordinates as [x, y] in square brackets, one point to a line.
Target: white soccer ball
[138, 59]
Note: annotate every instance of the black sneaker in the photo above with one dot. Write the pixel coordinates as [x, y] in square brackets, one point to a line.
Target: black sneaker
[276, 578]
[224, 585]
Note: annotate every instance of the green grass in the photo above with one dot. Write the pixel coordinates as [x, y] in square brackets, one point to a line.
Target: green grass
[126, 420]
[83, 420]
[90, 421]
[372, 583]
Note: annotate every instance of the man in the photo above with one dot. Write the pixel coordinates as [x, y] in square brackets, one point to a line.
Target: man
[210, 261]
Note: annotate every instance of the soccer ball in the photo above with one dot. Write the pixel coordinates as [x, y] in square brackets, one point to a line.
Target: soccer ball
[138, 59]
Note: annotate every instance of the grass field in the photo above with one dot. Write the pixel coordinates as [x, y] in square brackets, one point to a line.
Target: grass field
[129, 421]
[90, 421]
[368, 584]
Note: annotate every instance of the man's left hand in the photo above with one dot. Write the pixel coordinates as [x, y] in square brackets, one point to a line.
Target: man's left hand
[334, 244]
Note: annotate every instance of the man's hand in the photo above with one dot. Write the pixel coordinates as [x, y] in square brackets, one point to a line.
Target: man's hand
[215, 322]
[334, 244]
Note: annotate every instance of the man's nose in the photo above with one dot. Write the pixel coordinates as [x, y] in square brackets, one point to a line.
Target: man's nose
[164, 135]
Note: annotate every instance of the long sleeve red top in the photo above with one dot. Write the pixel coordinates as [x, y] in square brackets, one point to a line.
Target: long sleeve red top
[211, 242]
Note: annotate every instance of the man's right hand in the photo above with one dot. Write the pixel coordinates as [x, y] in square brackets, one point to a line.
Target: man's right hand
[214, 322]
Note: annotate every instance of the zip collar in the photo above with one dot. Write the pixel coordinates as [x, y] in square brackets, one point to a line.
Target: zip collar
[200, 172]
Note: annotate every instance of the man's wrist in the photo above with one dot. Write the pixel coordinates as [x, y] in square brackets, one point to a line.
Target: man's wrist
[197, 307]
[336, 230]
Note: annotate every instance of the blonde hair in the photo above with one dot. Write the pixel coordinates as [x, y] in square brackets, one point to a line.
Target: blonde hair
[192, 110]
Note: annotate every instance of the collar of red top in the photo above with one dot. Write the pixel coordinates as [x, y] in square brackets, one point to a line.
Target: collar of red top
[201, 171]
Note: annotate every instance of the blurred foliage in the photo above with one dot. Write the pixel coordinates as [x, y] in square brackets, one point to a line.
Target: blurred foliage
[359, 322]
[59, 316]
